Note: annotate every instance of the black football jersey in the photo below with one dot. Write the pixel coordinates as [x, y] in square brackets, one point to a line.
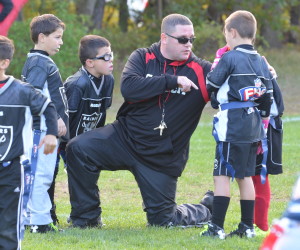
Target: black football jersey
[241, 76]
[18, 102]
[88, 100]
[40, 71]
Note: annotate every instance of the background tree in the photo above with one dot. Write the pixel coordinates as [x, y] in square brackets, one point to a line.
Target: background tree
[278, 25]
[294, 32]
[123, 15]
[93, 9]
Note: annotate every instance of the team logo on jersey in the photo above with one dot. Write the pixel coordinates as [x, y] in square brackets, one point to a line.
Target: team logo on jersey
[6, 136]
[88, 122]
[252, 93]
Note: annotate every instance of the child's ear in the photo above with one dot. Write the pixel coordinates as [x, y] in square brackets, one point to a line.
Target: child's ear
[4, 63]
[89, 63]
[233, 33]
[41, 37]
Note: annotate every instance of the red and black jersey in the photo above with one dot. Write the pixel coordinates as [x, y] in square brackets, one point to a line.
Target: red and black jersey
[149, 82]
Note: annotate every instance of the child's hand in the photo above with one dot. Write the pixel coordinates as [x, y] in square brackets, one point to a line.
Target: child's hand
[62, 129]
[213, 100]
[220, 52]
[49, 142]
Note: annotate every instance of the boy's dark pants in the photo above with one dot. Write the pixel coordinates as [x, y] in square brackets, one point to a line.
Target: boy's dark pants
[10, 187]
[102, 149]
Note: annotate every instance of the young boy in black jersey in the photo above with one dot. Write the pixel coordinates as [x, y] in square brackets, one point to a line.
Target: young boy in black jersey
[41, 71]
[89, 90]
[240, 78]
[18, 103]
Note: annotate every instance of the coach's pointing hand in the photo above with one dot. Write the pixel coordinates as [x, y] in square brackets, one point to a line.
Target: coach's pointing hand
[185, 83]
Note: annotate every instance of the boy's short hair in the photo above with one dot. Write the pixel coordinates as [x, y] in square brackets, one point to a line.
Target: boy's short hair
[168, 24]
[7, 48]
[89, 46]
[244, 22]
[45, 24]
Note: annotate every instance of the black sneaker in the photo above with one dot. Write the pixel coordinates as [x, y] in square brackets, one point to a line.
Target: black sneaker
[208, 199]
[243, 230]
[214, 231]
[44, 228]
[88, 224]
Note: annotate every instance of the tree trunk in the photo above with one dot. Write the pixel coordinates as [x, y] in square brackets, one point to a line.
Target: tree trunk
[123, 15]
[294, 33]
[98, 14]
[160, 9]
[271, 35]
[85, 7]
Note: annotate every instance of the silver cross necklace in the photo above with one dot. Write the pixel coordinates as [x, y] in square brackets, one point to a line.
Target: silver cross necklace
[162, 124]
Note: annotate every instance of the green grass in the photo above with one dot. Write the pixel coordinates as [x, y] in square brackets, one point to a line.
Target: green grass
[122, 204]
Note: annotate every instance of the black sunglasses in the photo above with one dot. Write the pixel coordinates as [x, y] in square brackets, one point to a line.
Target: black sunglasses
[106, 57]
[183, 40]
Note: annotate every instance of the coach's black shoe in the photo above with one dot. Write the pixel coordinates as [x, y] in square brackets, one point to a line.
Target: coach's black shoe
[243, 230]
[86, 224]
[214, 231]
[208, 199]
[44, 228]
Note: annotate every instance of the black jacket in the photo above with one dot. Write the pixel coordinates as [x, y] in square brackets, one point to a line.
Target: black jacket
[148, 81]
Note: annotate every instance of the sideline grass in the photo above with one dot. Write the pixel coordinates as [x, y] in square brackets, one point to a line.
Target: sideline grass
[125, 221]
[122, 204]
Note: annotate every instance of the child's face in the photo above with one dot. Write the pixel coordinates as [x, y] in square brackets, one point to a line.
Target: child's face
[101, 66]
[53, 41]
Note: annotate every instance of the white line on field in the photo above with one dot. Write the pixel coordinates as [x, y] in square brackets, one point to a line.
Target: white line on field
[285, 120]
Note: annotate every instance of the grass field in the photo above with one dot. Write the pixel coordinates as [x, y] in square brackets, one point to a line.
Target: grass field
[122, 204]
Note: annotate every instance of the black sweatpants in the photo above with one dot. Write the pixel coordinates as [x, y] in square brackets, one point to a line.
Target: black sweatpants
[10, 189]
[102, 149]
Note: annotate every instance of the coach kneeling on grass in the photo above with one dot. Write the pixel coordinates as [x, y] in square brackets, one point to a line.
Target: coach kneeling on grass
[164, 91]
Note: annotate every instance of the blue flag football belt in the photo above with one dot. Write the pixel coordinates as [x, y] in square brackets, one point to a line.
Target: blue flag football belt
[29, 173]
[237, 105]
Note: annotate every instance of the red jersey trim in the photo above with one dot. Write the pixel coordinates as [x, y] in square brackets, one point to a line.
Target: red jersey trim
[201, 82]
[150, 56]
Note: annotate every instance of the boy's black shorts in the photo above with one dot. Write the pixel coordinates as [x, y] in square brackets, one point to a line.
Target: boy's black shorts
[274, 161]
[241, 156]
